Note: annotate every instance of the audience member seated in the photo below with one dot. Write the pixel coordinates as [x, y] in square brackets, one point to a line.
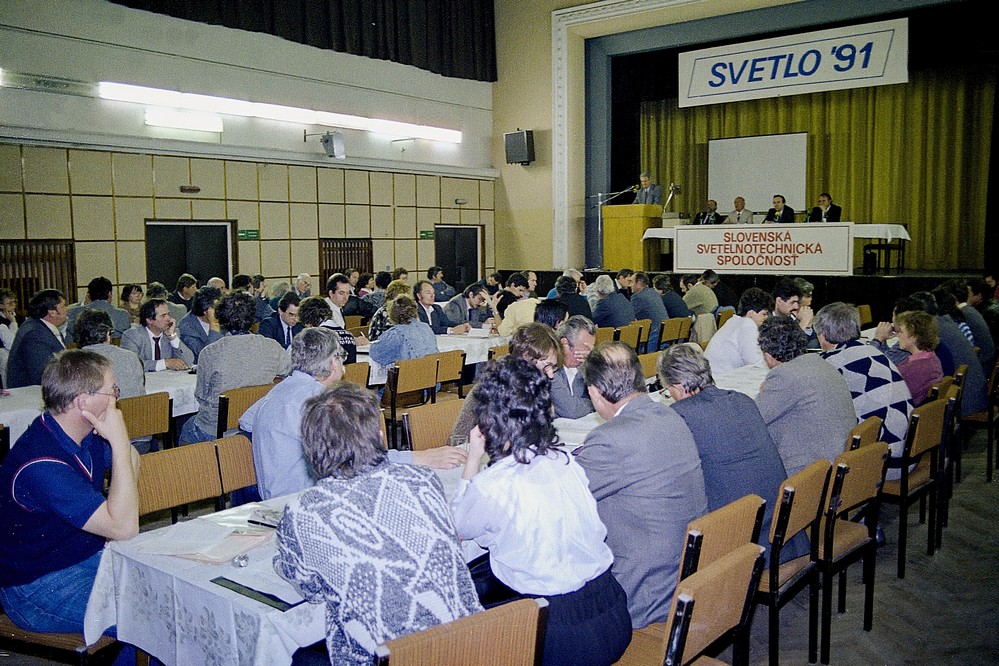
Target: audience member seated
[569, 272]
[727, 298]
[37, 339]
[407, 339]
[199, 327]
[99, 292]
[54, 517]
[380, 320]
[239, 359]
[532, 510]
[805, 313]
[623, 281]
[787, 299]
[337, 295]
[979, 327]
[255, 286]
[370, 595]
[645, 474]
[516, 288]
[567, 290]
[131, 301]
[365, 285]
[431, 313]
[274, 421]
[738, 456]
[443, 292]
[8, 329]
[699, 298]
[469, 307]
[315, 312]
[675, 306]
[804, 401]
[874, 382]
[155, 339]
[218, 283]
[518, 314]
[278, 290]
[569, 395]
[551, 313]
[187, 284]
[947, 307]
[648, 304]
[376, 298]
[919, 335]
[981, 297]
[736, 342]
[158, 291]
[612, 309]
[283, 325]
[401, 273]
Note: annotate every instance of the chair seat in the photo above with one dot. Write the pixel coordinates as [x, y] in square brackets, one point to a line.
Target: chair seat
[981, 416]
[849, 537]
[68, 642]
[788, 572]
[918, 478]
[648, 646]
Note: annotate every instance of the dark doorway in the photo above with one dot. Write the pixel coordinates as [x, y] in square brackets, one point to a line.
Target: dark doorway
[203, 248]
[458, 252]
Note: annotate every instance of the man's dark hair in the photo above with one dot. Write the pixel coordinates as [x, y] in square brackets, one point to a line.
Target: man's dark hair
[241, 281]
[782, 338]
[43, 301]
[827, 196]
[350, 271]
[783, 200]
[399, 272]
[289, 299]
[147, 310]
[662, 283]
[334, 280]
[256, 280]
[551, 312]
[156, 290]
[99, 289]
[908, 304]
[756, 300]
[236, 312]
[623, 273]
[642, 278]
[419, 285]
[566, 284]
[186, 280]
[313, 311]
[205, 298]
[688, 279]
[382, 279]
[433, 271]
[928, 301]
[980, 287]
[709, 277]
[786, 289]
[474, 288]
[517, 280]
[497, 276]
[92, 327]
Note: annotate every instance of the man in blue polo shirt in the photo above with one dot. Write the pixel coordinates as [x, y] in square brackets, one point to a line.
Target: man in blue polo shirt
[54, 517]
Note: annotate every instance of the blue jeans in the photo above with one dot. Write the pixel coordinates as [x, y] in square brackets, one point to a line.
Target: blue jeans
[192, 434]
[54, 603]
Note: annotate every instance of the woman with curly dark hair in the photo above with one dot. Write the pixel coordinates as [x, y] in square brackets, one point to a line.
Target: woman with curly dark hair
[532, 509]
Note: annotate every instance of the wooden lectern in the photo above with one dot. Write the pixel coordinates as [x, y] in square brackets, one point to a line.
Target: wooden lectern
[624, 227]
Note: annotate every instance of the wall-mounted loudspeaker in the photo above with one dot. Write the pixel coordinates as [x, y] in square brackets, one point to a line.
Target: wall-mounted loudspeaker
[519, 146]
[333, 145]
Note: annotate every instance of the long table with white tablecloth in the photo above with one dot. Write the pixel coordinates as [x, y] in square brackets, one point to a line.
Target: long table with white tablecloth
[476, 350]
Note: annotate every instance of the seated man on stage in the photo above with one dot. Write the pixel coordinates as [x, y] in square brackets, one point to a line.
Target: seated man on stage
[709, 215]
[780, 213]
[826, 211]
[740, 215]
[648, 192]
[54, 518]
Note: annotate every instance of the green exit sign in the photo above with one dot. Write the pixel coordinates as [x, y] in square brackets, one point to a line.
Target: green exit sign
[427, 235]
[249, 234]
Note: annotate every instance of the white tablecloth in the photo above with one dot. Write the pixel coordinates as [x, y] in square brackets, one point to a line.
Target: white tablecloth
[476, 351]
[20, 408]
[888, 232]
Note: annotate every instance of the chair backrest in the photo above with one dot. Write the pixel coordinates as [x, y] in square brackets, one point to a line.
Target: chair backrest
[960, 373]
[234, 402]
[358, 331]
[4, 442]
[450, 365]
[940, 388]
[181, 475]
[507, 635]
[429, 426]
[630, 334]
[864, 433]
[352, 321]
[357, 372]
[925, 427]
[669, 330]
[866, 318]
[712, 602]
[603, 334]
[416, 374]
[646, 326]
[799, 502]
[235, 459]
[146, 414]
[724, 314]
[685, 324]
[499, 351]
[721, 531]
[866, 472]
[648, 362]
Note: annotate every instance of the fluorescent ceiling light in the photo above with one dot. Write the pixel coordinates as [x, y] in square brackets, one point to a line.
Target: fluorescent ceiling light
[189, 120]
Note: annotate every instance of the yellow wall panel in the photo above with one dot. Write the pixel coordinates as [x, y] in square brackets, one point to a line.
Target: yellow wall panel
[48, 216]
[275, 257]
[405, 257]
[425, 254]
[459, 188]
[450, 216]
[208, 209]
[305, 257]
[246, 214]
[427, 218]
[469, 216]
[132, 174]
[428, 191]
[273, 180]
[130, 217]
[381, 188]
[169, 173]
[356, 187]
[249, 257]
[131, 264]
[330, 185]
[273, 220]
[241, 180]
[331, 221]
[358, 219]
[405, 223]
[10, 168]
[209, 175]
[382, 224]
[487, 194]
[45, 170]
[172, 209]
[94, 260]
[404, 189]
[11, 216]
[304, 220]
[383, 254]
[302, 182]
[93, 218]
[90, 172]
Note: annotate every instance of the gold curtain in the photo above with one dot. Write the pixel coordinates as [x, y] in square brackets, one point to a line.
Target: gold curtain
[915, 153]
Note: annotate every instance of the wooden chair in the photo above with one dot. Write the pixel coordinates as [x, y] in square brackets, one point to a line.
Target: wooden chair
[940, 388]
[721, 531]
[866, 318]
[412, 380]
[630, 334]
[984, 417]
[352, 321]
[800, 501]
[357, 373]
[19, 639]
[922, 444]
[643, 335]
[235, 462]
[856, 488]
[648, 362]
[724, 314]
[429, 426]
[4, 442]
[450, 366]
[674, 330]
[604, 334]
[358, 331]
[507, 635]
[147, 415]
[714, 602]
[498, 351]
[864, 433]
[949, 459]
[234, 402]
[181, 475]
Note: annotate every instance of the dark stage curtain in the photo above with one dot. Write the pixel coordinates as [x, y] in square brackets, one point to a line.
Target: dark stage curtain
[449, 37]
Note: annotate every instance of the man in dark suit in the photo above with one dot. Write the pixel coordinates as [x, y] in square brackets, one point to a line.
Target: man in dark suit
[567, 291]
[155, 339]
[648, 305]
[199, 328]
[37, 339]
[644, 472]
[283, 325]
[826, 211]
[709, 215]
[431, 313]
[780, 213]
[648, 192]
[187, 284]
[469, 307]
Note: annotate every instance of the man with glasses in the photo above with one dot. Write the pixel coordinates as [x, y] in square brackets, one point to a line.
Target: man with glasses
[274, 421]
[469, 307]
[54, 517]
[569, 394]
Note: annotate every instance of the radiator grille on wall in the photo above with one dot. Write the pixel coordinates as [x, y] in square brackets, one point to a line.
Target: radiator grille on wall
[337, 254]
[27, 266]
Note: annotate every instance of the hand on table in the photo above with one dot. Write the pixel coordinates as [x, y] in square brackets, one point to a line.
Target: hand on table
[175, 364]
[443, 457]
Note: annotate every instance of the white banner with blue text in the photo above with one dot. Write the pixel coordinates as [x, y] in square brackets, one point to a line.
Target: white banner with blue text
[857, 56]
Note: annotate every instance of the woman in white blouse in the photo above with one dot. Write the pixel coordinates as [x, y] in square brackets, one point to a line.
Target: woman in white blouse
[532, 509]
[8, 328]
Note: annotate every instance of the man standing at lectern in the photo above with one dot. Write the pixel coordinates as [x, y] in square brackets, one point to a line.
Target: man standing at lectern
[649, 192]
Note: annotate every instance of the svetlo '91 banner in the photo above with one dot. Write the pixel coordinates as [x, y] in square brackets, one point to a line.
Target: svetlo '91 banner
[857, 56]
[786, 249]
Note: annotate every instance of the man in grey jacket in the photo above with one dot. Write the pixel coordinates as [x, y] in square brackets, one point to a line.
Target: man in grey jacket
[569, 395]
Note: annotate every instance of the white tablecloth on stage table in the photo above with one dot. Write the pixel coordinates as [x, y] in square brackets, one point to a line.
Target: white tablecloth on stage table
[888, 232]
[20, 408]
[476, 351]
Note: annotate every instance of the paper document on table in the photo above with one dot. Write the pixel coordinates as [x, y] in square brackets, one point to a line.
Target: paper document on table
[574, 431]
[259, 575]
[205, 542]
